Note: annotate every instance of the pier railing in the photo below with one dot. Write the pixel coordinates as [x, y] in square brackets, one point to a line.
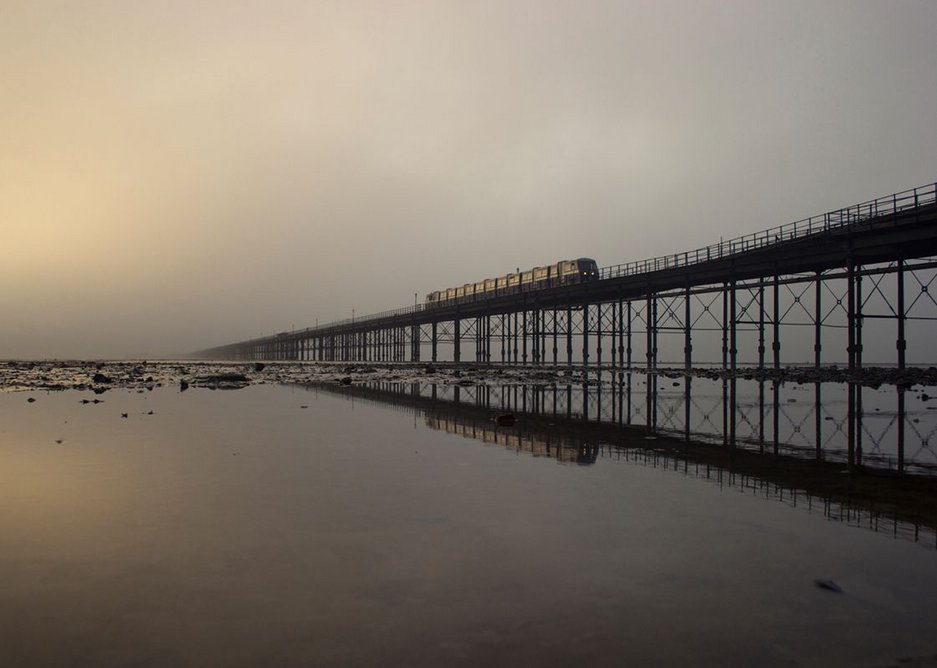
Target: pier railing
[851, 215]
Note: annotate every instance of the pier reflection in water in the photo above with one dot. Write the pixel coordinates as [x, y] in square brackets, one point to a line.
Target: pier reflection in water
[582, 424]
[886, 427]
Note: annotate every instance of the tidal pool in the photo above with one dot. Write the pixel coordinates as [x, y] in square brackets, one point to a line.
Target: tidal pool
[279, 526]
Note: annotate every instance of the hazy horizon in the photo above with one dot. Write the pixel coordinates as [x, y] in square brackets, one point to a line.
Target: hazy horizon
[177, 176]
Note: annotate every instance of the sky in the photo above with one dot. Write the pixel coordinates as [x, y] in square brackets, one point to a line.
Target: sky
[176, 175]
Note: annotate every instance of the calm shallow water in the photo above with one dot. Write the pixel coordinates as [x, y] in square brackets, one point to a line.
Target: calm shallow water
[238, 528]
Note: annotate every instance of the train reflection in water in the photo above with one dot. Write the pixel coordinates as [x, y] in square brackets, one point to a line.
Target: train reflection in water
[567, 450]
[905, 507]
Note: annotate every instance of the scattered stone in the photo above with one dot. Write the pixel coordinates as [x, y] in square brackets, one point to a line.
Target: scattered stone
[123, 415]
[59, 441]
[226, 378]
[30, 400]
[222, 381]
[259, 366]
[304, 406]
[100, 378]
[828, 585]
[183, 386]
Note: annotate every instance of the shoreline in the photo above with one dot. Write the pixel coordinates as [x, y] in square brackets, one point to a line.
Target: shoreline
[100, 376]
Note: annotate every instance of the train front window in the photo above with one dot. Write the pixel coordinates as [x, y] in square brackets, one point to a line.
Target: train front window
[588, 268]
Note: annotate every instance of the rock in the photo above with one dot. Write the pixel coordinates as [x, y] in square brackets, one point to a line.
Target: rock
[183, 386]
[925, 396]
[222, 381]
[100, 378]
[505, 420]
[828, 585]
[30, 400]
[123, 415]
[259, 366]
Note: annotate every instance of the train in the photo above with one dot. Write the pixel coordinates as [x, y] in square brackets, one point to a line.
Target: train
[564, 272]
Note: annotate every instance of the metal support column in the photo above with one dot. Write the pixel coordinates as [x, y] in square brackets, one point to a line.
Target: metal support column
[817, 348]
[585, 339]
[733, 360]
[761, 365]
[687, 362]
[456, 343]
[725, 364]
[851, 353]
[569, 337]
[901, 345]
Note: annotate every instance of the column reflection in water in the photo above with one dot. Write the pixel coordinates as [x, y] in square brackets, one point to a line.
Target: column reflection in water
[587, 433]
[812, 420]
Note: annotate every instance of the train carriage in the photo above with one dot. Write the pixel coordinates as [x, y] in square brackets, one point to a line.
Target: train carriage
[564, 272]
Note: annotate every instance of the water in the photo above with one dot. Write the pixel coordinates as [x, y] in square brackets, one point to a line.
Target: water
[290, 526]
[804, 419]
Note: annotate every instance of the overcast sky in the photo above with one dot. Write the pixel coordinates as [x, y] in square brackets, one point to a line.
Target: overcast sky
[177, 175]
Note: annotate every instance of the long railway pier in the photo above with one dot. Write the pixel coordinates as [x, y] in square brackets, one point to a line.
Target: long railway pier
[850, 287]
